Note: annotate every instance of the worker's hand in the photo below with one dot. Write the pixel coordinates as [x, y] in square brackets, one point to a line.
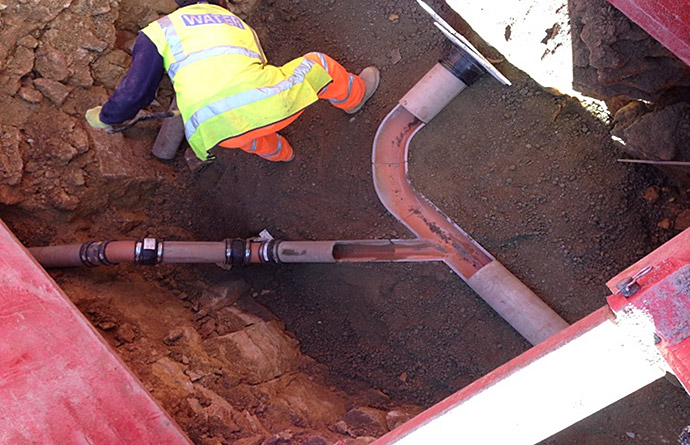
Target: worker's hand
[93, 117]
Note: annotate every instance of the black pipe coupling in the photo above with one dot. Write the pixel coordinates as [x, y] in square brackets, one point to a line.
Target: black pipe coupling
[148, 251]
[235, 252]
[268, 251]
[462, 65]
[92, 254]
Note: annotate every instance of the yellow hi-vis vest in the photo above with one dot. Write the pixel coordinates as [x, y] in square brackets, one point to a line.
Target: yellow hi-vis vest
[224, 86]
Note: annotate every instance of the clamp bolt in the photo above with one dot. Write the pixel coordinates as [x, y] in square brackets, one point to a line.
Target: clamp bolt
[630, 286]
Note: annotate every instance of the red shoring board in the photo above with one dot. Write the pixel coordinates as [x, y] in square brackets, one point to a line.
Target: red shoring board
[60, 383]
[668, 21]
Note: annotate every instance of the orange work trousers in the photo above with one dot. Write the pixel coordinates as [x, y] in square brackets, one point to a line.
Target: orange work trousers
[345, 92]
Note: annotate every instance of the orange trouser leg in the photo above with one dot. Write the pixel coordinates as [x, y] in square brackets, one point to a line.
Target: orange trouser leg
[264, 142]
[346, 91]
[272, 147]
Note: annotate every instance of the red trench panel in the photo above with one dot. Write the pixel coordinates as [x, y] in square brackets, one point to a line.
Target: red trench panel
[60, 383]
[668, 21]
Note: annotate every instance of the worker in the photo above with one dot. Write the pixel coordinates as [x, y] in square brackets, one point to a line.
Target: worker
[227, 93]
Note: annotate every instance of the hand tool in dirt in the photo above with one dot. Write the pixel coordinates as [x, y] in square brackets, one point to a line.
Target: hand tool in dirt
[170, 136]
[143, 117]
[195, 164]
[655, 162]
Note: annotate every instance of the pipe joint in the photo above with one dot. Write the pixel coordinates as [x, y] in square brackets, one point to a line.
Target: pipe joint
[148, 251]
[268, 251]
[462, 65]
[92, 254]
[235, 252]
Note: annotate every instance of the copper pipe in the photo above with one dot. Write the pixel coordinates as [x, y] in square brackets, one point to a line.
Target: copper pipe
[57, 256]
[70, 255]
[509, 297]
[357, 251]
[96, 253]
[120, 251]
[424, 219]
[391, 250]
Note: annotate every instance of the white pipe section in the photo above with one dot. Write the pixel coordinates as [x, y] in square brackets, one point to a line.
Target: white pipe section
[432, 93]
[193, 252]
[516, 303]
[306, 252]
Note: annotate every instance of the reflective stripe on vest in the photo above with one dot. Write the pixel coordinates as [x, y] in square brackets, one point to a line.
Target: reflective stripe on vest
[172, 38]
[210, 52]
[254, 143]
[245, 98]
[182, 59]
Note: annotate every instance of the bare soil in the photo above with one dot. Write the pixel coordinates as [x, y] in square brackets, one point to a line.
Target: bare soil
[528, 172]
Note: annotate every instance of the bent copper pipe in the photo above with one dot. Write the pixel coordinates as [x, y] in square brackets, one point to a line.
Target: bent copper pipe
[418, 214]
[505, 293]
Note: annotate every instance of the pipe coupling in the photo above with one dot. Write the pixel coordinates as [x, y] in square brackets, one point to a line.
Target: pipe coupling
[268, 251]
[148, 251]
[92, 254]
[235, 252]
[462, 65]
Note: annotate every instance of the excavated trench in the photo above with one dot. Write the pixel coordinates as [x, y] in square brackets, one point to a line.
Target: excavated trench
[320, 353]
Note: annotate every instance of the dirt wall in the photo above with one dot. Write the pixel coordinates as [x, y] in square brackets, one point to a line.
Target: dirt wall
[645, 86]
[222, 365]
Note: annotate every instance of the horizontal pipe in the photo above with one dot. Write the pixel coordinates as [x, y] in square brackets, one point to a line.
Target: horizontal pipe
[358, 251]
[193, 252]
[235, 252]
[57, 256]
[120, 251]
[391, 250]
[97, 253]
[70, 255]
[305, 251]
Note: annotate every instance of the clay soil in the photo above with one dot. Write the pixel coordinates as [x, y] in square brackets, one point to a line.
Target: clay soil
[529, 173]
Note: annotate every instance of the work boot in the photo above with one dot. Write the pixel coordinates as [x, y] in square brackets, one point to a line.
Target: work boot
[371, 77]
